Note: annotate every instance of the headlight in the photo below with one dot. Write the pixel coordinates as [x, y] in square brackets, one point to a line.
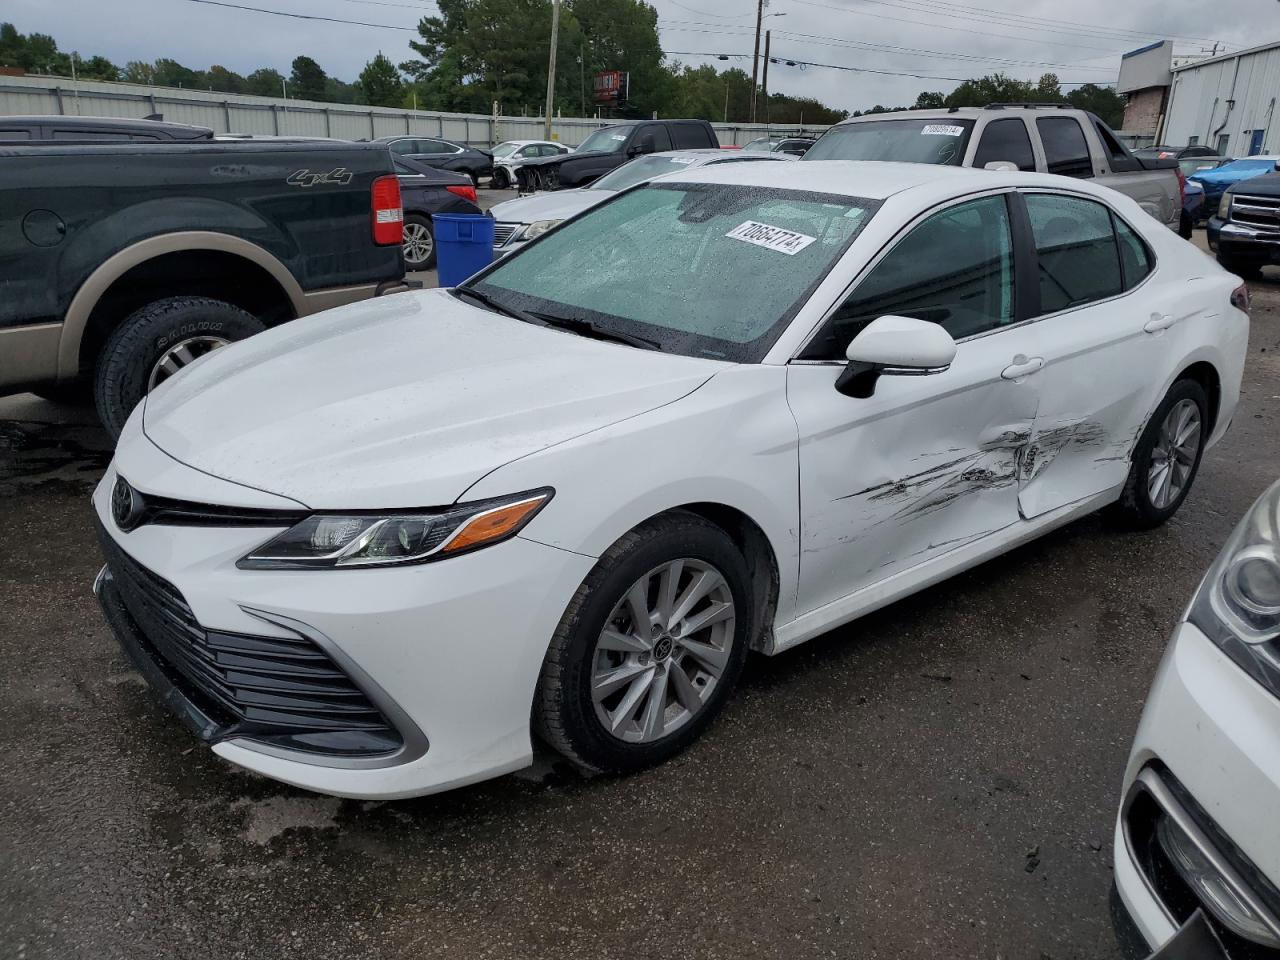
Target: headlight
[538, 228]
[1224, 207]
[1238, 604]
[369, 540]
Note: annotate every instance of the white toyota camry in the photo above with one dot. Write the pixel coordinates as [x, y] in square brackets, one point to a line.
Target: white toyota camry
[374, 552]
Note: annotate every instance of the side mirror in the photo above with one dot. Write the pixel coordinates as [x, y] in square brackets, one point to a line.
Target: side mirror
[894, 346]
[1001, 166]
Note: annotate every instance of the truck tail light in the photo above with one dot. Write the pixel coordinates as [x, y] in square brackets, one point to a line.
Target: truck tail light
[1182, 188]
[466, 192]
[1240, 297]
[388, 215]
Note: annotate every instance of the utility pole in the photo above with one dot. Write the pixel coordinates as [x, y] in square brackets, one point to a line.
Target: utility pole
[551, 66]
[765, 82]
[755, 59]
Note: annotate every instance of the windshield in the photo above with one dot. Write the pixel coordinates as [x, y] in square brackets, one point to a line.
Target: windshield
[641, 169]
[764, 144]
[701, 269]
[505, 149]
[907, 141]
[610, 140]
[1197, 164]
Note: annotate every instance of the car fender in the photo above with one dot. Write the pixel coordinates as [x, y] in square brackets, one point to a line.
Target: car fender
[732, 443]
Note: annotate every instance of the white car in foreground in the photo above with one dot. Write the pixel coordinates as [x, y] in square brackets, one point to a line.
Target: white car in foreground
[1198, 826]
[373, 553]
[527, 218]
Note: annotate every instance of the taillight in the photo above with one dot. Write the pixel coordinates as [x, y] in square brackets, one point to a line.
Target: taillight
[1240, 297]
[466, 192]
[388, 215]
[1182, 188]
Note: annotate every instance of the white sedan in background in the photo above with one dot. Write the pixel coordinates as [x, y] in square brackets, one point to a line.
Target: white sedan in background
[511, 154]
[1198, 828]
[526, 218]
[373, 554]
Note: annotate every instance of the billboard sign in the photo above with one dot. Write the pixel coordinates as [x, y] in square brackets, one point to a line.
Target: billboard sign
[611, 87]
[1146, 67]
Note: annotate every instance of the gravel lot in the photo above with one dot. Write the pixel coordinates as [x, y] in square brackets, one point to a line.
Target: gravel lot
[937, 780]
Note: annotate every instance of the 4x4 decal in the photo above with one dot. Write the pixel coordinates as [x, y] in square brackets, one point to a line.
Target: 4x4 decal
[305, 178]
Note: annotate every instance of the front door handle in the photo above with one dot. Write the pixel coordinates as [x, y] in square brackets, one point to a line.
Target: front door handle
[1158, 322]
[1022, 366]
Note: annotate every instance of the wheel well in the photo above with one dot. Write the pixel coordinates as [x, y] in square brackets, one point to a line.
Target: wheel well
[761, 562]
[1206, 375]
[207, 273]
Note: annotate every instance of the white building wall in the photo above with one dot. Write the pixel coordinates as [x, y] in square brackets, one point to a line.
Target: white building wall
[1199, 103]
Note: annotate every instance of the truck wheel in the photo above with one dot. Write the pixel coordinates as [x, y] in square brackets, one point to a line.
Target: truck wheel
[1246, 269]
[155, 342]
[1186, 226]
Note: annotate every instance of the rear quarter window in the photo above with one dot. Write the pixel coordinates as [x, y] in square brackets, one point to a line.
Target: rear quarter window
[1066, 152]
[686, 136]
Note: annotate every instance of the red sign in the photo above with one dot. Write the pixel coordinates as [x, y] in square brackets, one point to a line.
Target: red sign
[611, 86]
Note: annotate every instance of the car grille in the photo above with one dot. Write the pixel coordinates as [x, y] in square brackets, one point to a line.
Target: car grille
[1261, 212]
[502, 232]
[281, 690]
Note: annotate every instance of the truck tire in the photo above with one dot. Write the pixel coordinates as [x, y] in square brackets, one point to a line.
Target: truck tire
[1186, 226]
[154, 342]
[1245, 269]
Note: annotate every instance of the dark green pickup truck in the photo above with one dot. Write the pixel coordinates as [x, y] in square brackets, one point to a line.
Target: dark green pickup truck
[120, 263]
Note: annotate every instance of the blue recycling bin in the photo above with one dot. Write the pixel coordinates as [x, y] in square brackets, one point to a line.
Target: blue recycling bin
[464, 245]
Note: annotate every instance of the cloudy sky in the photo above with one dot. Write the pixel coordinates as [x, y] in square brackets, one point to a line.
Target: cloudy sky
[952, 39]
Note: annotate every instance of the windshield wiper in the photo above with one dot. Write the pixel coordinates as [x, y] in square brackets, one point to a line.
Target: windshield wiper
[588, 329]
[498, 306]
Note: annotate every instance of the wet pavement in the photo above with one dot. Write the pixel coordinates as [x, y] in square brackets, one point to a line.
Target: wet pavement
[936, 780]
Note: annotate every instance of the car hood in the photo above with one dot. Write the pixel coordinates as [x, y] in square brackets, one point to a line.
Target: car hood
[402, 401]
[1267, 185]
[551, 205]
[1225, 176]
[548, 161]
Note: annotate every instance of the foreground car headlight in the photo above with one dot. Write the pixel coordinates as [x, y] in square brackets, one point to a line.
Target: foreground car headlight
[369, 540]
[538, 228]
[1224, 207]
[1238, 604]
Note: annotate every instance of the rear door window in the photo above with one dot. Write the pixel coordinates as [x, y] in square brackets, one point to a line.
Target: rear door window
[661, 139]
[1136, 261]
[1079, 259]
[686, 136]
[1005, 140]
[1066, 152]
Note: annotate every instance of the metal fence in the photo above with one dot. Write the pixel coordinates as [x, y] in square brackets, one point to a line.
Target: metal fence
[236, 113]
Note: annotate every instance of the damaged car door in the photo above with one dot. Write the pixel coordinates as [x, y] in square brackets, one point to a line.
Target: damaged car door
[926, 464]
[1106, 353]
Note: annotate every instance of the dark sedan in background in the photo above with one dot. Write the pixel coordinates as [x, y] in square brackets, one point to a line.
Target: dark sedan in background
[424, 192]
[442, 154]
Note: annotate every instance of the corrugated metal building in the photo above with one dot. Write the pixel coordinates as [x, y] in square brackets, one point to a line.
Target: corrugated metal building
[1227, 102]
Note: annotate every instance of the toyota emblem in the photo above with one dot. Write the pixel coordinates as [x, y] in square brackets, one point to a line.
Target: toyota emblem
[126, 505]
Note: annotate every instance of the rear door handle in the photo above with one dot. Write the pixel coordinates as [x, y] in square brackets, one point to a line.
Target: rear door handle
[1021, 367]
[1158, 322]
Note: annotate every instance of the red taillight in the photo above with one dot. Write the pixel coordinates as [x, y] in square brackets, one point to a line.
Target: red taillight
[466, 192]
[1240, 297]
[388, 215]
[1182, 188]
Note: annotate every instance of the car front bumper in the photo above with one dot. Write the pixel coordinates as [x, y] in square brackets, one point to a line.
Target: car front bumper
[1207, 756]
[1236, 241]
[450, 651]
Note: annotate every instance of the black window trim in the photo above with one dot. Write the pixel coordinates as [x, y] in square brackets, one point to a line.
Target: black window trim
[1021, 265]
[1155, 263]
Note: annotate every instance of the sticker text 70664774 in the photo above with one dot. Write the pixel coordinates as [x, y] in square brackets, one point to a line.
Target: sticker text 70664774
[770, 237]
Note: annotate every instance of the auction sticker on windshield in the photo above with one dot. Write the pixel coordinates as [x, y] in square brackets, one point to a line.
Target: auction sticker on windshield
[771, 238]
[942, 130]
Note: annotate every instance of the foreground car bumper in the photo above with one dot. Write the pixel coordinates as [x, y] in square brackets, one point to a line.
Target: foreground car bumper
[447, 653]
[1207, 758]
[1238, 242]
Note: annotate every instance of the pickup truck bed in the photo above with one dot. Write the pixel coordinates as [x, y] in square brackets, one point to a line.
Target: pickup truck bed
[114, 256]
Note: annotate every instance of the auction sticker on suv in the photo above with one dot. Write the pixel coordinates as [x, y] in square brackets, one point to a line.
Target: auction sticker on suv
[942, 130]
[771, 238]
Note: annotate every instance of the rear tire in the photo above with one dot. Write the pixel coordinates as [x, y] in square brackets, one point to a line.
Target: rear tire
[1152, 495]
[419, 243]
[128, 365]
[600, 733]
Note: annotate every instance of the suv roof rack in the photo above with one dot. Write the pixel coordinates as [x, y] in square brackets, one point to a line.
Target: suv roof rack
[1032, 106]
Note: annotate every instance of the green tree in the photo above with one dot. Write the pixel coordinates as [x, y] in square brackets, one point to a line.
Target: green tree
[623, 35]
[137, 71]
[1047, 90]
[307, 80]
[170, 73]
[994, 88]
[930, 101]
[264, 82]
[98, 68]
[381, 83]
[1102, 101]
[223, 80]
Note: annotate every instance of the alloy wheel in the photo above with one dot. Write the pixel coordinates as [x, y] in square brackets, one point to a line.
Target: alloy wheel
[179, 355]
[662, 651]
[1174, 456]
[418, 243]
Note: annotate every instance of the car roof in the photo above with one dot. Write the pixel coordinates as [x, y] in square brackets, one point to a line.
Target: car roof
[870, 179]
[178, 130]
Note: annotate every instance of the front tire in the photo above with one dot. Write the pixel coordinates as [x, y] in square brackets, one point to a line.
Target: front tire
[499, 180]
[1166, 458]
[649, 648]
[157, 340]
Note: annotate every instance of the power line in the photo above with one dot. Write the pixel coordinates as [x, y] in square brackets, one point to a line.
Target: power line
[304, 16]
[708, 13]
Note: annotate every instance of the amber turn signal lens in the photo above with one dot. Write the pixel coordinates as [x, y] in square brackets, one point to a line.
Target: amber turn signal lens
[494, 525]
